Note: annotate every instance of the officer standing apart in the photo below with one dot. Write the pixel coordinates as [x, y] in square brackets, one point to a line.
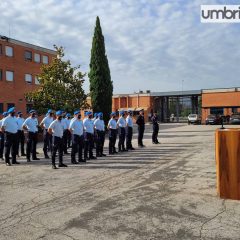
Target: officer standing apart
[129, 131]
[47, 138]
[88, 136]
[112, 127]
[2, 136]
[21, 137]
[155, 126]
[121, 123]
[141, 127]
[76, 128]
[10, 127]
[56, 130]
[100, 134]
[31, 126]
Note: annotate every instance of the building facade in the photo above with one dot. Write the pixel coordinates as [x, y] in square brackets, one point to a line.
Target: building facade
[20, 65]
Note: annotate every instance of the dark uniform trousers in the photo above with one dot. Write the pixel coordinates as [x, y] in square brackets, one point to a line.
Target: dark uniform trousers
[57, 146]
[77, 146]
[129, 134]
[100, 139]
[21, 140]
[69, 139]
[140, 135]
[65, 140]
[112, 140]
[47, 142]
[122, 135]
[32, 144]
[88, 145]
[155, 133]
[2, 139]
[11, 146]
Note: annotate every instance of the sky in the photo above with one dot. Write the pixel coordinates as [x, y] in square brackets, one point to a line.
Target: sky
[157, 45]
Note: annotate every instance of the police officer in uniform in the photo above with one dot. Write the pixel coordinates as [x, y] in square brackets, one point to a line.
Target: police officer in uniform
[129, 130]
[69, 135]
[2, 136]
[47, 138]
[10, 127]
[64, 122]
[21, 137]
[100, 134]
[88, 136]
[30, 125]
[56, 130]
[141, 127]
[121, 123]
[76, 128]
[112, 127]
[155, 126]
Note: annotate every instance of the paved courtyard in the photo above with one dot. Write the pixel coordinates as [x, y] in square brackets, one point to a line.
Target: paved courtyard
[165, 191]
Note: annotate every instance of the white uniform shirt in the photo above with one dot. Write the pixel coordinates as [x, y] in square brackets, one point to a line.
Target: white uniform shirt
[112, 124]
[129, 121]
[30, 123]
[99, 124]
[64, 123]
[121, 122]
[76, 126]
[47, 121]
[88, 125]
[68, 122]
[20, 122]
[10, 124]
[57, 128]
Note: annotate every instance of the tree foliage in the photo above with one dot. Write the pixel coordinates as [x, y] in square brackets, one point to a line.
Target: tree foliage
[101, 87]
[60, 86]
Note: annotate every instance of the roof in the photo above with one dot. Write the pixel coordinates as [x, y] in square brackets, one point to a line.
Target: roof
[221, 90]
[28, 45]
[176, 93]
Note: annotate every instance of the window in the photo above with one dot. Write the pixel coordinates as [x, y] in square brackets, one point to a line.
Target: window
[9, 51]
[9, 76]
[28, 78]
[28, 55]
[217, 111]
[1, 76]
[10, 105]
[37, 58]
[1, 50]
[234, 109]
[1, 107]
[45, 59]
[37, 80]
[28, 107]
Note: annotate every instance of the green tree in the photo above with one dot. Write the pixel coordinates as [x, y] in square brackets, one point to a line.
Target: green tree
[60, 86]
[101, 86]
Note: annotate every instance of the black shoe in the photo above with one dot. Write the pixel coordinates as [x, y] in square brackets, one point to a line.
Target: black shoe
[82, 160]
[28, 160]
[23, 155]
[36, 158]
[104, 155]
[54, 167]
[46, 157]
[74, 162]
[124, 150]
[92, 157]
[8, 164]
[16, 162]
[115, 152]
[132, 148]
[62, 165]
[111, 153]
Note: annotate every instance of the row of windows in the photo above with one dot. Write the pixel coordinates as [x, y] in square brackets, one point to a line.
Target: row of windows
[28, 55]
[9, 105]
[9, 76]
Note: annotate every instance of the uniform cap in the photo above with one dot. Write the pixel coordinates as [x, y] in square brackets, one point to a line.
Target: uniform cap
[5, 114]
[95, 114]
[76, 112]
[32, 111]
[68, 115]
[89, 113]
[129, 111]
[19, 112]
[58, 113]
[113, 113]
[100, 114]
[121, 112]
[11, 110]
[49, 111]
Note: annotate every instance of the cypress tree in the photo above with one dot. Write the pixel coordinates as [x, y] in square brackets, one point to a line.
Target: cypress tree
[101, 87]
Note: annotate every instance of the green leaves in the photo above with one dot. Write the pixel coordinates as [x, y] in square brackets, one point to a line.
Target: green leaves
[60, 86]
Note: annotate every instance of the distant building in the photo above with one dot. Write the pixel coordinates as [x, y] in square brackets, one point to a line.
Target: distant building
[20, 65]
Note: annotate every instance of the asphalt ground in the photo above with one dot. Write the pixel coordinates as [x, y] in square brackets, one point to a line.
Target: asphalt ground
[165, 191]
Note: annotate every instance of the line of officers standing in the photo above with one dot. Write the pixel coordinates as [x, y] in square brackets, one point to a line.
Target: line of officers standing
[61, 132]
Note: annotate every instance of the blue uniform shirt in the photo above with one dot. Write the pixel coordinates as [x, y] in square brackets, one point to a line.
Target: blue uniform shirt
[31, 124]
[129, 121]
[88, 125]
[112, 124]
[76, 125]
[57, 128]
[99, 124]
[121, 122]
[47, 121]
[10, 124]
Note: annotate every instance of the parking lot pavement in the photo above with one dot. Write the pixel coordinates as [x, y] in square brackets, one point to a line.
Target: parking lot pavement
[165, 191]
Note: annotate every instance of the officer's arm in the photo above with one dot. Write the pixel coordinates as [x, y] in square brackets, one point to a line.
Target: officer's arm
[70, 127]
[2, 129]
[42, 123]
[50, 130]
[24, 126]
